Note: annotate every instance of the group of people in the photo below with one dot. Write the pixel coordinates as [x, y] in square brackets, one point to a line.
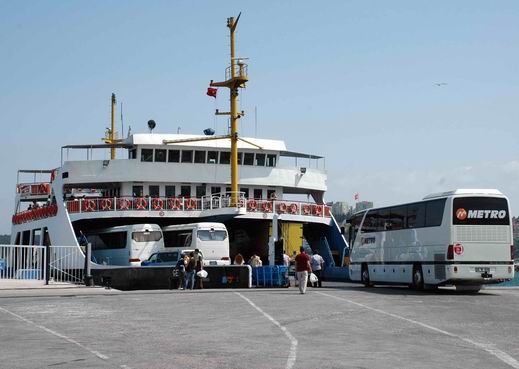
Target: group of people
[304, 263]
[188, 267]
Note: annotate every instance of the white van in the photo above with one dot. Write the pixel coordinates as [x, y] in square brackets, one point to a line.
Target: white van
[210, 238]
[125, 245]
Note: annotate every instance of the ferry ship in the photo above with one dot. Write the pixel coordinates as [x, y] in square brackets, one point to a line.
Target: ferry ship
[273, 193]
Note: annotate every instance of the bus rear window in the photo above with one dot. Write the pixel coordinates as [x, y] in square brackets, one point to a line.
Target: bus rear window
[146, 236]
[480, 211]
[210, 235]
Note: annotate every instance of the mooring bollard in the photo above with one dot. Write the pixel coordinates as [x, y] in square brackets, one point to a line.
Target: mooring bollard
[88, 275]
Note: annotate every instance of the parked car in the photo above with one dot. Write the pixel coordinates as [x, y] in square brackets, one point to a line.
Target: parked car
[165, 258]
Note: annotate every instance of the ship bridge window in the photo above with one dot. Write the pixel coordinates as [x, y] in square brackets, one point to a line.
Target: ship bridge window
[260, 160]
[199, 156]
[212, 157]
[248, 158]
[146, 154]
[170, 191]
[240, 155]
[225, 157]
[245, 192]
[173, 156]
[132, 154]
[271, 160]
[185, 191]
[154, 191]
[138, 191]
[187, 156]
[215, 190]
[200, 191]
[258, 193]
[160, 155]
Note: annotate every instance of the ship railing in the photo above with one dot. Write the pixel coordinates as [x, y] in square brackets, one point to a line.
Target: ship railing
[208, 202]
[33, 189]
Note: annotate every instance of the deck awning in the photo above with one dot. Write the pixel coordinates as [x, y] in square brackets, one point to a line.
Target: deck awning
[294, 154]
[98, 146]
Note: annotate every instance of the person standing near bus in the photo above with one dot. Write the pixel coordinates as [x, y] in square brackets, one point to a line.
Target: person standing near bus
[199, 265]
[190, 272]
[317, 264]
[302, 269]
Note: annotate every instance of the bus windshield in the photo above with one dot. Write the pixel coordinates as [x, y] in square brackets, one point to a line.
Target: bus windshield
[146, 236]
[210, 235]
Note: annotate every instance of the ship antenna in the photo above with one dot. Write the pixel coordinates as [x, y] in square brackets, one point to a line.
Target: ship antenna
[112, 131]
[122, 119]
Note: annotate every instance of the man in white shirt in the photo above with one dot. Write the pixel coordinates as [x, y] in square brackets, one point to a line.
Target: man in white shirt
[317, 263]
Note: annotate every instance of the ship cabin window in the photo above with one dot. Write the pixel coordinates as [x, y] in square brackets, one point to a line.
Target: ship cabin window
[146, 154]
[160, 155]
[173, 156]
[199, 156]
[170, 191]
[132, 154]
[187, 156]
[240, 154]
[138, 191]
[248, 158]
[215, 190]
[17, 240]
[245, 192]
[260, 160]
[200, 191]
[154, 191]
[185, 191]
[26, 237]
[271, 160]
[212, 157]
[225, 157]
[228, 191]
[271, 194]
[258, 193]
[36, 236]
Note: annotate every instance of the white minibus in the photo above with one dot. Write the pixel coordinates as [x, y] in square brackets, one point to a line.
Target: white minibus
[461, 238]
[210, 238]
[126, 245]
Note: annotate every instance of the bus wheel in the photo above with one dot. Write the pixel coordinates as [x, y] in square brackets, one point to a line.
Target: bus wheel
[364, 276]
[417, 277]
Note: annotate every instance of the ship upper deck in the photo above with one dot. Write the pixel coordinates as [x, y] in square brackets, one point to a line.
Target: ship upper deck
[148, 159]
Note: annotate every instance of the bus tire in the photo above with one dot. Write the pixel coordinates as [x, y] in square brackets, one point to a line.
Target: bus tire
[418, 277]
[364, 276]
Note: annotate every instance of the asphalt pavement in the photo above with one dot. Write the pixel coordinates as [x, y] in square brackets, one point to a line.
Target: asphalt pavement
[341, 325]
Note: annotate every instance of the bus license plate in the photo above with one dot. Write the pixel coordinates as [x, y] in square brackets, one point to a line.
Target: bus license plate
[213, 263]
[482, 270]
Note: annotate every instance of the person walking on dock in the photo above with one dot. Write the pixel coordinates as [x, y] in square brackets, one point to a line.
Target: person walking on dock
[302, 269]
[317, 264]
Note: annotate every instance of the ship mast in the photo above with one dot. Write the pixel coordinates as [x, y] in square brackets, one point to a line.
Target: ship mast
[112, 130]
[236, 77]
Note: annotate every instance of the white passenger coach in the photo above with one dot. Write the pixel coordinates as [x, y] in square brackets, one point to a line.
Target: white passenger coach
[461, 238]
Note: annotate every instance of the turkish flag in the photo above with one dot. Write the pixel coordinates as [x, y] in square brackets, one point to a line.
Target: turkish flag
[356, 196]
[212, 91]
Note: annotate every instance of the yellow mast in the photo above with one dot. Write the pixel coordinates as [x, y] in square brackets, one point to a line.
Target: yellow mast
[236, 76]
[112, 130]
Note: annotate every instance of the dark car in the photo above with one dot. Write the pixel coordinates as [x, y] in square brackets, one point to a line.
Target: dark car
[162, 258]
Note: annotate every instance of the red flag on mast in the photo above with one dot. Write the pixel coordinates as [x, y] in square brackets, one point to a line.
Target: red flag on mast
[356, 196]
[212, 91]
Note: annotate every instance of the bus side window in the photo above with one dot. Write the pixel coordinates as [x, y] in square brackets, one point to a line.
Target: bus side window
[189, 238]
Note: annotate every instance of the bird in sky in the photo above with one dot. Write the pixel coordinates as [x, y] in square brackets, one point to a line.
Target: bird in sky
[441, 84]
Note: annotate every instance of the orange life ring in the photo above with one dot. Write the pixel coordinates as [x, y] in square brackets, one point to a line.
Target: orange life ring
[190, 203]
[157, 204]
[174, 204]
[141, 203]
[307, 209]
[124, 204]
[282, 207]
[267, 206]
[106, 204]
[293, 208]
[318, 210]
[252, 205]
[89, 205]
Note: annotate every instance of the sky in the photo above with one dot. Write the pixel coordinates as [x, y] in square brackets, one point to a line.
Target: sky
[355, 81]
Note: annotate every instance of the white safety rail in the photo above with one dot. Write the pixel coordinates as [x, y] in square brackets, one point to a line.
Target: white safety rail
[66, 264]
[22, 262]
